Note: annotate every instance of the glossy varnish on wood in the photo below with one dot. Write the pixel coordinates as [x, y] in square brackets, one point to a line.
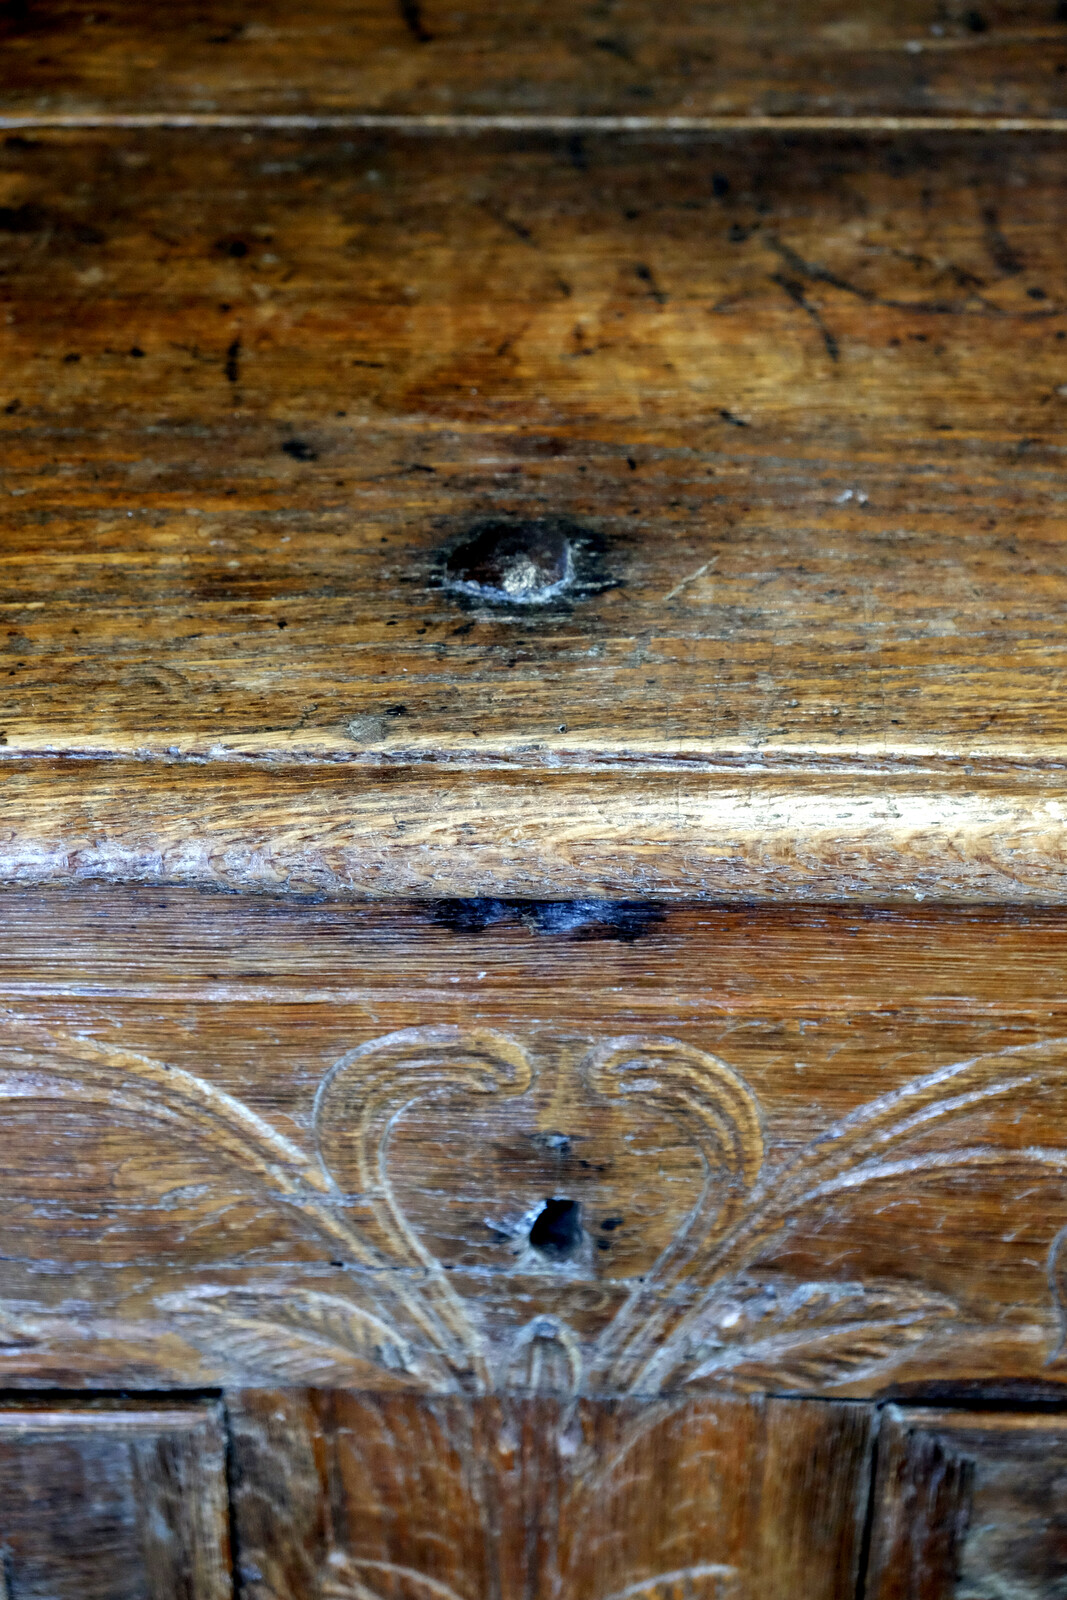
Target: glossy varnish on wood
[695, 57]
[781, 416]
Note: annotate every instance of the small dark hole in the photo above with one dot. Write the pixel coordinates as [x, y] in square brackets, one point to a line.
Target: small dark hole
[557, 1230]
[300, 450]
[525, 563]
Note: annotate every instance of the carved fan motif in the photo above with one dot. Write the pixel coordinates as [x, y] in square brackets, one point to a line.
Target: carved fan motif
[400, 1313]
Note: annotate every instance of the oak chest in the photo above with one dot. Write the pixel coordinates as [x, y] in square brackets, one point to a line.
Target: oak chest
[533, 821]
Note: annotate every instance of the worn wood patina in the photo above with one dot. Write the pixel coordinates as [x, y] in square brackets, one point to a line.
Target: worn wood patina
[533, 839]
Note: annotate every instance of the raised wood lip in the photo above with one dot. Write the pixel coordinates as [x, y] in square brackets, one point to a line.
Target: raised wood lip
[869, 761]
[475, 123]
[429, 833]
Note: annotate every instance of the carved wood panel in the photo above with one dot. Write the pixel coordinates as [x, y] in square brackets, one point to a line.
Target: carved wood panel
[374, 1497]
[254, 1143]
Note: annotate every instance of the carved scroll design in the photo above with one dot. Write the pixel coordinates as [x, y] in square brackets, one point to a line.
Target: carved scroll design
[346, 1579]
[399, 1310]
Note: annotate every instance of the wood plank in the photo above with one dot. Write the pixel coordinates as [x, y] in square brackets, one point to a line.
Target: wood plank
[780, 417]
[969, 1503]
[507, 1148]
[113, 1501]
[403, 1498]
[697, 57]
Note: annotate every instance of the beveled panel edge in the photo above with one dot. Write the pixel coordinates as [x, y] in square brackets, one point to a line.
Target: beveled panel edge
[438, 832]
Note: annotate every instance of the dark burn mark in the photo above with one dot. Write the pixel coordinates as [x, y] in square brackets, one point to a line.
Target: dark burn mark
[624, 921]
[720, 186]
[523, 564]
[609, 1224]
[975, 22]
[237, 248]
[300, 450]
[233, 361]
[411, 12]
[557, 1229]
[732, 419]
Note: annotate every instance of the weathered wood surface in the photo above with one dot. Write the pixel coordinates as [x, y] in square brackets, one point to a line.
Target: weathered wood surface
[969, 1505]
[775, 425]
[591, 1149]
[113, 1501]
[360, 1497]
[535, 58]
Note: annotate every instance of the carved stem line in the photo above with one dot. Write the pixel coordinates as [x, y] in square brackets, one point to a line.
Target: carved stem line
[708, 1569]
[372, 1087]
[651, 1376]
[723, 1120]
[812, 1174]
[193, 1106]
[352, 1588]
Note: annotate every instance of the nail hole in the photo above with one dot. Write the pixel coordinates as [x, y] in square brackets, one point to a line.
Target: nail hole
[524, 563]
[557, 1229]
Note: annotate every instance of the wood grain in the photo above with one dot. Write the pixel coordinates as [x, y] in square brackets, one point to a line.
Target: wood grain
[113, 1501]
[254, 1142]
[818, 57]
[722, 1500]
[792, 406]
[969, 1503]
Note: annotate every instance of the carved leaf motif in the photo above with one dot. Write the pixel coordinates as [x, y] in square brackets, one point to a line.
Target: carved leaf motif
[298, 1336]
[869, 1146]
[356, 1108]
[348, 1578]
[545, 1358]
[784, 1334]
[368, 1089]
[703, 1582]
[86, 1071]
[722, 1117]
[813, 1336]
